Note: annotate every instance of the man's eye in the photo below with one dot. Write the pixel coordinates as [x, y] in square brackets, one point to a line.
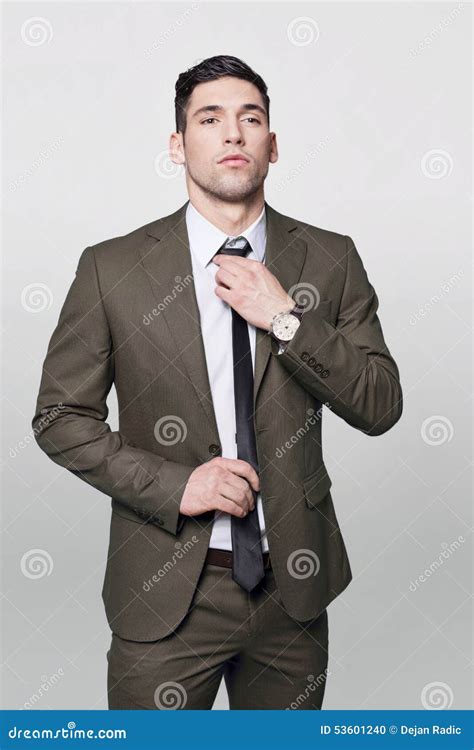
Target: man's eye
[249, 119]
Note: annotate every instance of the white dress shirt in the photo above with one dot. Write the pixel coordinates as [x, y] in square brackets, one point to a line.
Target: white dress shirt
[205, 239]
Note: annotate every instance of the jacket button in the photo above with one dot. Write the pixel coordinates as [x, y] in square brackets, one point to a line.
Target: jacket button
[311, 361]
[305, 356]
[318, 367]
[214, 449]
[160, 522]
[325, 373]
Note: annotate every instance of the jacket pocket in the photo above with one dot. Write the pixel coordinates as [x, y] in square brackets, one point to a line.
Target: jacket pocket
[316, 486]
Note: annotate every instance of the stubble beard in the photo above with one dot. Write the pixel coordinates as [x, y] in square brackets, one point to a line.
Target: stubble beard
[232, 188]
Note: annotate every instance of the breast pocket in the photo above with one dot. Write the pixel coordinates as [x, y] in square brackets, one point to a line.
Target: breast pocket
[316, 486]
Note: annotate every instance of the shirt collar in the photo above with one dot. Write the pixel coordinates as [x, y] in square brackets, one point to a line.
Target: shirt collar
[205, 239]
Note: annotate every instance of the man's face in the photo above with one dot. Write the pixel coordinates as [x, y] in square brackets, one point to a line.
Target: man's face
[219, 123]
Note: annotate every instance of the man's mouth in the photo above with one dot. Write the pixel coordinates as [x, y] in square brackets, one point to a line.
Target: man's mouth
[234, 160]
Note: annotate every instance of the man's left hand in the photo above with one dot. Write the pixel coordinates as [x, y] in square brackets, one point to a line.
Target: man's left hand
[251, 289]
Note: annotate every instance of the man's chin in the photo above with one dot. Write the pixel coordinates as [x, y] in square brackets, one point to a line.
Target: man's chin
[234, 193]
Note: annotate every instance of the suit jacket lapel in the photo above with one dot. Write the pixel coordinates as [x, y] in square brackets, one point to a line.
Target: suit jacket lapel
[284, 256]
[166, 258]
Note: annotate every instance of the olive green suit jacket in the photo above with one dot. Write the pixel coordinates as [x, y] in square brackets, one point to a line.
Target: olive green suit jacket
[131, 319]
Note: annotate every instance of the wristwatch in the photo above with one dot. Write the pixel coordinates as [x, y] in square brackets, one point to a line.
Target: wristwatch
[284, 325]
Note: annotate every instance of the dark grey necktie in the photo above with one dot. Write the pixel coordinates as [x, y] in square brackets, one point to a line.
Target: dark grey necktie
[247, 557]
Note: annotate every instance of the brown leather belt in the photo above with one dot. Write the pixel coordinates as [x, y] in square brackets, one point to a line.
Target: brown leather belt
[223, 557]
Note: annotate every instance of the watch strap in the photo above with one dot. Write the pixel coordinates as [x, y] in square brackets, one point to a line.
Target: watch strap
[298, 310]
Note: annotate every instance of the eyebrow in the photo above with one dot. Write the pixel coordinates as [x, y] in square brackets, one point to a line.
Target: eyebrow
[219, 108]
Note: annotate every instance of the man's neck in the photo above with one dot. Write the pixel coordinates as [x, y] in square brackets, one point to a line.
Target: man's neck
[230, 218]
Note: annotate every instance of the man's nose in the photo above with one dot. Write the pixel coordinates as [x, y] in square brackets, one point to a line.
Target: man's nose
[233, 134]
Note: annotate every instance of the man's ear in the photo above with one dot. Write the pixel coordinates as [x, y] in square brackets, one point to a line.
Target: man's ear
[176, 148]
[273, 156]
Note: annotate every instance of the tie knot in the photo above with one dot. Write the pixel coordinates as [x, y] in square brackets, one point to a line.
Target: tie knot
[235, 246]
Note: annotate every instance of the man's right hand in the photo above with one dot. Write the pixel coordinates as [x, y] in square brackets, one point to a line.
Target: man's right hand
[220, 484]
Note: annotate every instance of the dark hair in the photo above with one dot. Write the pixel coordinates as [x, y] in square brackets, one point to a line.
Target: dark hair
[211, 69]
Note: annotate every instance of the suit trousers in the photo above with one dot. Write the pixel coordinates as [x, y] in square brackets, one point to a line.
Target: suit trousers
[268, 659]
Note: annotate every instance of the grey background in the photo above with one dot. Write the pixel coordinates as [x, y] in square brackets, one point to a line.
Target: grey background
[371, 104]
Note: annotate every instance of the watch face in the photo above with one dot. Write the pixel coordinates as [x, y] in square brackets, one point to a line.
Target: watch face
[285, 326]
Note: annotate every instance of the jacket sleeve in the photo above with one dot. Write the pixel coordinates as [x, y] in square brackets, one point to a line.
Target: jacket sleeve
[349, 366]
[70, 425]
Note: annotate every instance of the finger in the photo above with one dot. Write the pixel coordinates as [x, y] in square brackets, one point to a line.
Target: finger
[225, 277]
[224, 294]
[242, 495]
[228, 506]
[237, 482]
[245, 470]
[235, 262]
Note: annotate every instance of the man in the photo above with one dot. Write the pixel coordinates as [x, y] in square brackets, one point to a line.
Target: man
[225, 327]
